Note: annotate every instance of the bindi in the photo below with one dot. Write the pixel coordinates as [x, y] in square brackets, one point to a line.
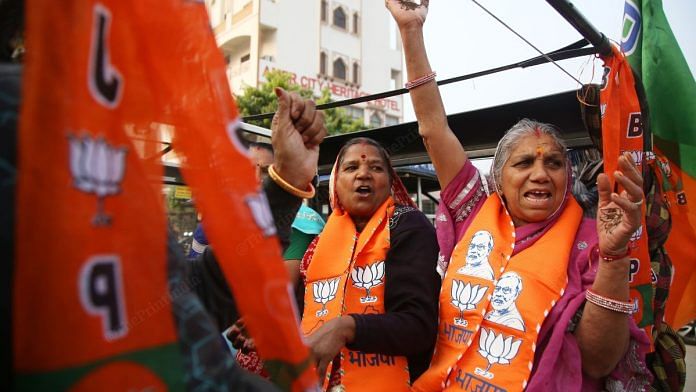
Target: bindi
[540, 151]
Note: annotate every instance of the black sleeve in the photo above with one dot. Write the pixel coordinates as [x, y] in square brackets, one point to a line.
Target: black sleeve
[284, 207]
[409, 325]
[211, 287]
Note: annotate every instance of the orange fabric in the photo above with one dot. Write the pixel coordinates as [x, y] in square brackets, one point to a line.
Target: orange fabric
[346, 275]
[622, 130]
[484, 343]
[92, 118]
[69, 224]
[120, 376]
[681, 306]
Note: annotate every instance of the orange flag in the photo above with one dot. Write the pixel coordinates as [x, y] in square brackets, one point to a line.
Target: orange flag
[622, 131]
[91, 262]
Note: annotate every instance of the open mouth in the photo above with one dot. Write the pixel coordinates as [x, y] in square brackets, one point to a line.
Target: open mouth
[363, 190]
[537, 196]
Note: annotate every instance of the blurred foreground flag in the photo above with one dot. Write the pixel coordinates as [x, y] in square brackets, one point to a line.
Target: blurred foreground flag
[97, 303]
[655, 56]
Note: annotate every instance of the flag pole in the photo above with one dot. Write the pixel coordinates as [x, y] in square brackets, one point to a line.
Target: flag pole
[582, 25]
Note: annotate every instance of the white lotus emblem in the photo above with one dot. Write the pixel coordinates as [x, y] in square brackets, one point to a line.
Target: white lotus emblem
[496, 349]
[368, 277]
[258, 204]
[324, 291]
[98, 168]
[465, 297]
[638, 233]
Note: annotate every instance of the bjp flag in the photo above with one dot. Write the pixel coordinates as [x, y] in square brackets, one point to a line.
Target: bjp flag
[670, 91]
[103, 81]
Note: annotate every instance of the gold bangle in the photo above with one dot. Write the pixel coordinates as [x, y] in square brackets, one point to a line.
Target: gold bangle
[308, 194]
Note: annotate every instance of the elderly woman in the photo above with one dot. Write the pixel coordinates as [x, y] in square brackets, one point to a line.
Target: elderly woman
[371, 286]
[533, 295]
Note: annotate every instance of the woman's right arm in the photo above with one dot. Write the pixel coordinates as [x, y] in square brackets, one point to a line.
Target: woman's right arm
[447, 154]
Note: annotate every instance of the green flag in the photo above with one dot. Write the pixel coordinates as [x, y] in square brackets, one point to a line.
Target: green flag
[648, 42]
[670, 89]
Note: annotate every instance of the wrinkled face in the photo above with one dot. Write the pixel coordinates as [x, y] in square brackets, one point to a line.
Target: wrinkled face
[479, 248]
[262, 159]
[505, 293]
[534, 179]
[362, 182]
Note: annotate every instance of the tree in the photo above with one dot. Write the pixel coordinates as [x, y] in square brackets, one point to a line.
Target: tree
[263, 100]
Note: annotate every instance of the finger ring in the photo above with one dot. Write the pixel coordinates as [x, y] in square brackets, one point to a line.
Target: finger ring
[638, 203]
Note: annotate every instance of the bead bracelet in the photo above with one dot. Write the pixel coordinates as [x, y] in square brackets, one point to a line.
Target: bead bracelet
[611, 304]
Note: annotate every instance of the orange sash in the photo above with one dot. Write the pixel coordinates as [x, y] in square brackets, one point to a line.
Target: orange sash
[492, 304]
[622, 130]
[346, 275]
[91, 229]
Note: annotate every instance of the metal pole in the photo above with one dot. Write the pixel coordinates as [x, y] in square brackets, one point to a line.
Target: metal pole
[582, 25]
[419, 197]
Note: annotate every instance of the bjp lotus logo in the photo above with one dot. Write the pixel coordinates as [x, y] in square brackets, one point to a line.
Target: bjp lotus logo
[637, 234]
[496, 349]
[98, 168]
[324, 291]
[368, 277]
[466, 297]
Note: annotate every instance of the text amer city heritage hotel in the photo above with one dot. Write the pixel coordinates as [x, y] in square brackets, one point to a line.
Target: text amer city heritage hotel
[350, 46]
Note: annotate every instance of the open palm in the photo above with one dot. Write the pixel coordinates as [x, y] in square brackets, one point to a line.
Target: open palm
[619, 216]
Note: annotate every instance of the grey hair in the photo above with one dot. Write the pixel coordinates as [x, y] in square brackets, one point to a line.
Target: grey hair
[523, 128]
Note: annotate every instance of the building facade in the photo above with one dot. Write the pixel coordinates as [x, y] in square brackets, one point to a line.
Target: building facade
[351, 47]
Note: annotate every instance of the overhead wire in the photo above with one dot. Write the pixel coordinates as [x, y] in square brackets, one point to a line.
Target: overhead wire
[526, 41]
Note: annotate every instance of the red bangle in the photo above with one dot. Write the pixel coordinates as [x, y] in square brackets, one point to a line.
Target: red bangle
[421, 81]
[606, 257]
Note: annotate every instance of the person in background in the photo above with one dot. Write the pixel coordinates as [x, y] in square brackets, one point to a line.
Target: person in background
[572, 273]
[306, 225]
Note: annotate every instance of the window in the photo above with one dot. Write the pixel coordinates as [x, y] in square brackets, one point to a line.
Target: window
[356, 113]
[244, 63]
[324, 10]
[356, 73]
[356, 23]
[339, 18]
[339, 69]
[391, 120]
[322, 63]
[375, 120]
[395, 81]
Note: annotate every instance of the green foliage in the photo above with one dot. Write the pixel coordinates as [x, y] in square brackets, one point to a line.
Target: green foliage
[263, 100]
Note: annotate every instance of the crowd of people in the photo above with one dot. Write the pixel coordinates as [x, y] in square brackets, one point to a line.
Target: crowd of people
[513, 290]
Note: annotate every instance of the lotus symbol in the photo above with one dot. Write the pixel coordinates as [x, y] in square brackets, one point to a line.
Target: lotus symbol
[496, 349]
[98, 168]
[638, 233]
[465, 297]
[325, 291]
[368, 277]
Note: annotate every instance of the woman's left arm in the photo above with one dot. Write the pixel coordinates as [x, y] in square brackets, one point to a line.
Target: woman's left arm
[603, 333]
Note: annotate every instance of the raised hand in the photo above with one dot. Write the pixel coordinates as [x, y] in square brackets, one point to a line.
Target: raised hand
[408, 13]
[619, 216]
[297, 130]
